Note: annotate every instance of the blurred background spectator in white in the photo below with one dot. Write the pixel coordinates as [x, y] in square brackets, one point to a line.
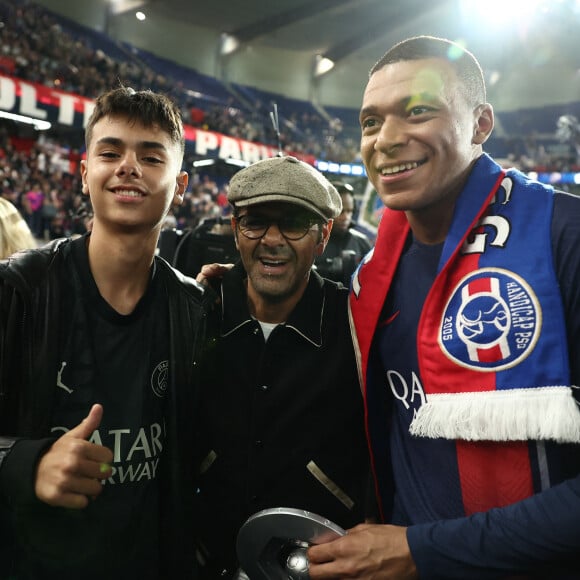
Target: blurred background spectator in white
[14, 232]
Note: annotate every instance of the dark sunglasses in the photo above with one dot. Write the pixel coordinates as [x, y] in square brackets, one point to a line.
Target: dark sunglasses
[292, 228]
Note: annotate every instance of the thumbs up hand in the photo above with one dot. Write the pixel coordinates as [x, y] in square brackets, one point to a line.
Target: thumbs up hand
[70, 472]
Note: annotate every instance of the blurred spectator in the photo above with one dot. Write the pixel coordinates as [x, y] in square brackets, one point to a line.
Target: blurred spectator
[208, 185]
[14, 232]
[346, 246]
[32, 203]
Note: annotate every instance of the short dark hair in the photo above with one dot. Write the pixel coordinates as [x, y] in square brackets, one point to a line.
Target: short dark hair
[145, 107]
[464, 62]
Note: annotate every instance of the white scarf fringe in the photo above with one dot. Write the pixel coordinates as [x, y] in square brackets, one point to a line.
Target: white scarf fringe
[544, 413]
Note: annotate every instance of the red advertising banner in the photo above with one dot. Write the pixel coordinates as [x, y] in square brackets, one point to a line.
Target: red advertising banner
[40, 102]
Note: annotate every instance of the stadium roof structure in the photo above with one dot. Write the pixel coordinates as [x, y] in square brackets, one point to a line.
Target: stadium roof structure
[528, 48]
[340, 28]
[351, 35]
[335, 29]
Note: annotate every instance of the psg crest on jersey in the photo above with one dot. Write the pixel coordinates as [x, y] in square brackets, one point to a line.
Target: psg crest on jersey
[159, 379]
[491, 322]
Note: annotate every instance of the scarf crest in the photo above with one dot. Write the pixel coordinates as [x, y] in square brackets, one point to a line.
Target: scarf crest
[491, 341]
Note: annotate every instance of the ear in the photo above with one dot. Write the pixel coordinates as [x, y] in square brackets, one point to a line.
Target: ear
[180, 187]
[85, 185]
[484, 121]
[325, 234]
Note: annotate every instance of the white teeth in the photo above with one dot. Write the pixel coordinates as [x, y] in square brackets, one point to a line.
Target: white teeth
[399, 168]
[130, 193]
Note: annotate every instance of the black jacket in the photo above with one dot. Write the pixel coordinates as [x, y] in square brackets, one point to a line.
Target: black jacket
[30, 301]
[282, 418]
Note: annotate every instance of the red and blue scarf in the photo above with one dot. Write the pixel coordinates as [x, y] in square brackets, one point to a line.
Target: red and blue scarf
[491, 341]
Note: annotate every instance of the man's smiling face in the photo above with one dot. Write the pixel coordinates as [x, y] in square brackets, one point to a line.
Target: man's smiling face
[278, 268]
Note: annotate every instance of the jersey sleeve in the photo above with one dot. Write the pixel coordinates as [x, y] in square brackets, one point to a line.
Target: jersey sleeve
[18, 470]
[566, 251]
[542, 531]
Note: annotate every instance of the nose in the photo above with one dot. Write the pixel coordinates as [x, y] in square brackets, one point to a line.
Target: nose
[391, 137]
[273, 236]
[129, 165]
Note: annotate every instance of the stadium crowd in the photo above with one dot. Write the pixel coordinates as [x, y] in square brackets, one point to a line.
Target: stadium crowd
[39, 171]
[37, 47]
[39, 175]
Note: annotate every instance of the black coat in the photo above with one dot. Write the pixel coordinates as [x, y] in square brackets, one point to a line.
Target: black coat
[280, 417]
[30, 301]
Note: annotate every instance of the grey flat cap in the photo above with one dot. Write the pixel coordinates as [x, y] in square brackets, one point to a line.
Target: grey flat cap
[285, 179]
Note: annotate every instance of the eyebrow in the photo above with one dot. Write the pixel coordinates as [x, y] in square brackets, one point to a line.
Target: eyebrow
[404, 103]
[141, 144]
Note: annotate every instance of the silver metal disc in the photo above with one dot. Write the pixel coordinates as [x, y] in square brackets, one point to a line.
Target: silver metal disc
[272, 544]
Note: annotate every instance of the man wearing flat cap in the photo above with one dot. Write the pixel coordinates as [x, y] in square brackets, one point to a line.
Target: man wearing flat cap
[283, 418]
